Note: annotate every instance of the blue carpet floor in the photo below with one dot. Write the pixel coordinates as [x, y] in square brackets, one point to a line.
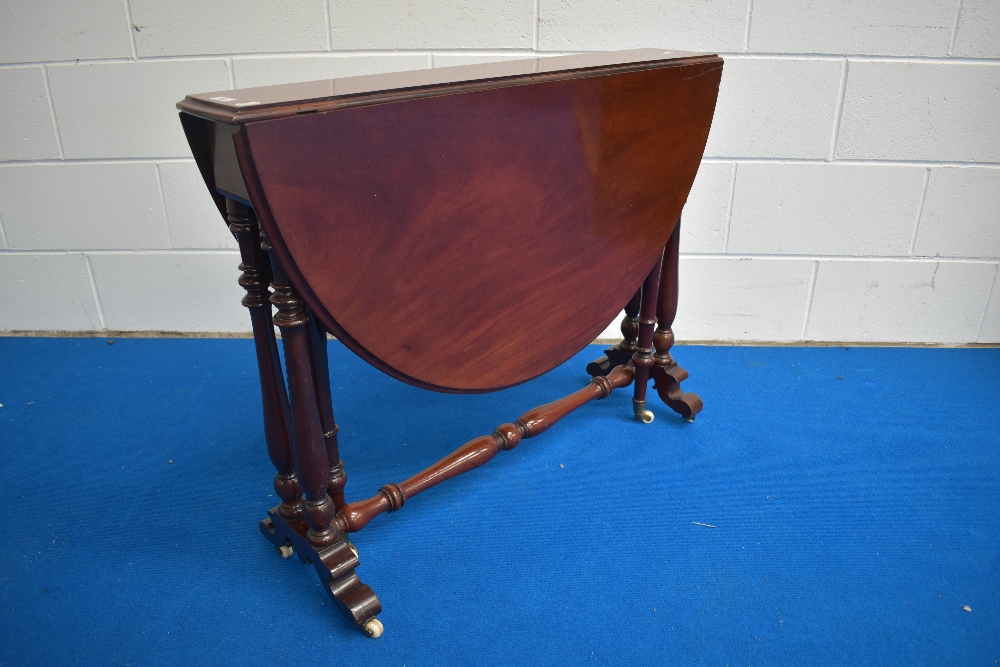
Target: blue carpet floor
[855, 495]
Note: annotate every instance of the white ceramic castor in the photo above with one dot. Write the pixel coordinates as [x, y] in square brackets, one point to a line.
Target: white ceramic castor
[690, 420]
[645, 416]
[373, 628]
[285, 550]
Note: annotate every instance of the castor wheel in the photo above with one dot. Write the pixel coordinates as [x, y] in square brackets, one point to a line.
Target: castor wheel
[285, 550]
[645, 416]
[373, 628]
[689, 420]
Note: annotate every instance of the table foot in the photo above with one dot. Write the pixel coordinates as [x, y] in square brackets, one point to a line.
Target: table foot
[613, 356]
[667, 383]
[335, 566]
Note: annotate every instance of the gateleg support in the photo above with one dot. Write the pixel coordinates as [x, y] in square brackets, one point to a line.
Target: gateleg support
[312, 535]
[667, 375]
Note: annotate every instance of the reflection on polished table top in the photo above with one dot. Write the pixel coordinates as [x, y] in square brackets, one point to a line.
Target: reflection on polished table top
[554, 200]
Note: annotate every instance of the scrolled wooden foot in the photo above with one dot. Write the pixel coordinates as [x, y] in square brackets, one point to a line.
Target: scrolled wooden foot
[334, 564]
[667, 383]
[373, 628]
[600, 366]
[613, 357]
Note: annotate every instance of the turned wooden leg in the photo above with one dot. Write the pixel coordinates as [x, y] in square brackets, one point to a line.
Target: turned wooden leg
[623, 351]
[277, 430]
[314, 539]
[308, 443]
[321, 378]
[642, 358]
[667, 375]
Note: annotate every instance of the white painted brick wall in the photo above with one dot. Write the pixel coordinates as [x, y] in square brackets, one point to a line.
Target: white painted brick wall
[971, 196]
[191, 212]
[989, 330]
[45, 30]
[127, 109]
[27, 131]
[821, 209]
[83, 206]
[743, 299]
[775, 108]
[52, 291]
[705, 214]
[921, 111]
[197, 27]
[850, 191]
[431, 24]
[606, 25]
[191, 291]
[892, 301]
[978, 29]
[879, 27]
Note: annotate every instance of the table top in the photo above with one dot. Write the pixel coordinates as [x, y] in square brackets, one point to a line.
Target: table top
[266, 102]
[472, 236]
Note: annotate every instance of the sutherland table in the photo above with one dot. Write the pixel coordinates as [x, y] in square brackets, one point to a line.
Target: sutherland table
[462, 229]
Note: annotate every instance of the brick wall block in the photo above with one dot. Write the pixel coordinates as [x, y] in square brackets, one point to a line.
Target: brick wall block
[423, 24]
[989, 331]
[191, 213]
[26, 132]
[704, 216]
[173, 291]
[961, 214]
[195, 27]
[900, 301]
[82, 206]
[37, 31]
[775, 108]
[978, 30]
[888, 27]
[127, 109]
[742, 299]
[608, 25]
[824, 209]
[46, 293]
[921, 111]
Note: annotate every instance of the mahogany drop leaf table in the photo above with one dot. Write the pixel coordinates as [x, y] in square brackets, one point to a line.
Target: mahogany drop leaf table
[463, 229]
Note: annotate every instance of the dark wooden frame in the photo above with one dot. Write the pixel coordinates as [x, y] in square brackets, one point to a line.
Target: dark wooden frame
[312, 520]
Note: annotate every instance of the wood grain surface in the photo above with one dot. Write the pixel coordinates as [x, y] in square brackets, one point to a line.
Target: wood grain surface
[470, 242]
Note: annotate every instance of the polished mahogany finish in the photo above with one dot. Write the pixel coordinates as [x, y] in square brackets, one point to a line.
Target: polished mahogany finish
[255, 279]
[667, 375]
[473, 228]
[462, 229]
[249, 105]
[479, 451]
